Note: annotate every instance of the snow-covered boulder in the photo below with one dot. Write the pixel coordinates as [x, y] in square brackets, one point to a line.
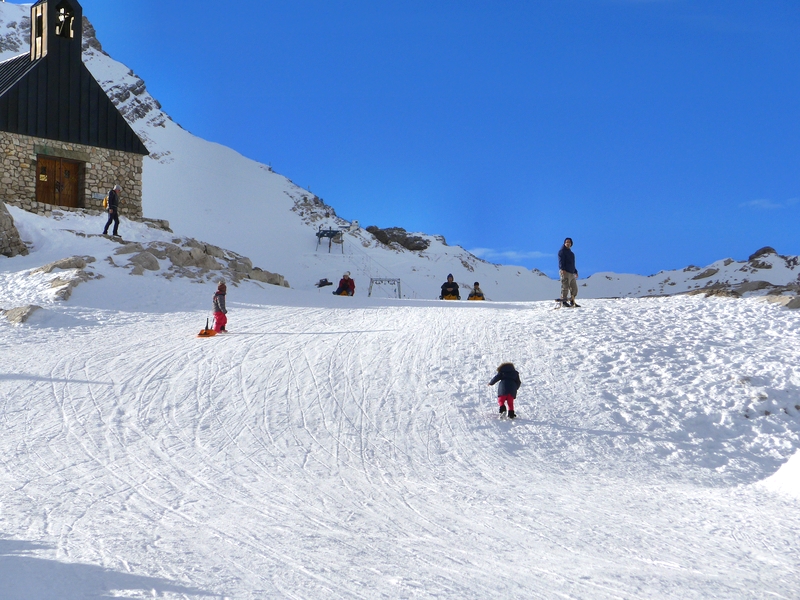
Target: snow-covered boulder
[20, 314]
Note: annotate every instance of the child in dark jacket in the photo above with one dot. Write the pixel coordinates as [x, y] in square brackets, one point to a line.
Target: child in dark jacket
[507, 390]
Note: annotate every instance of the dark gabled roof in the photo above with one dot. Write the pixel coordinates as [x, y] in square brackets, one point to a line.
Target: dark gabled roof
[12, 70]
[61, 100]
[55, 97]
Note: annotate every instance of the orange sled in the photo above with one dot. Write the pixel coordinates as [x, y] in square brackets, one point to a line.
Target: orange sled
[204, 333]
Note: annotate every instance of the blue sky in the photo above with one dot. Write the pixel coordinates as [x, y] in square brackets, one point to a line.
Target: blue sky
[655, 133]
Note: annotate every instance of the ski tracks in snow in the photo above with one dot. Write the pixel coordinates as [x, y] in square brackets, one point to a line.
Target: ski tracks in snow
[331, 453]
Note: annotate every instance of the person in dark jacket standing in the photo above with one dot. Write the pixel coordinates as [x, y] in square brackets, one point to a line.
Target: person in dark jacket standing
[508, 377]
[568, 274]
[220, 312]
[113, 210]
[450, 290]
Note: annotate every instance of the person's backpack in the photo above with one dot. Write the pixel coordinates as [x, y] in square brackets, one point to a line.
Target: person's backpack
[105, 201]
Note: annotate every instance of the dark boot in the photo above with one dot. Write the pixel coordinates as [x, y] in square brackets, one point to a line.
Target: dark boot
[502, 409]
[512, 414]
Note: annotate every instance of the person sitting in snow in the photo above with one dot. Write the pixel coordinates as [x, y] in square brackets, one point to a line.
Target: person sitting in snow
[220, 320]
[476, 293]
[450, 290]
[347, 287]
[507, 390]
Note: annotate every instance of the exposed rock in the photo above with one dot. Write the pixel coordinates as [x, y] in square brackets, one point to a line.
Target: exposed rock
[759, 264]
[179, 257]
[20, 314]
[195, 260]
[72, 262]
[161, 224]
[10, 242]
[721, 293]
[792, 301]
[161, 250]
[753, 286]
[311, 208]
[706, 273]
[90, 37]
[399, 236]
[762, 252]
[66, 285]
[214, 251]
[145, 260]
[267, 277]
[715, 290]
[241, 265]
[129, 248]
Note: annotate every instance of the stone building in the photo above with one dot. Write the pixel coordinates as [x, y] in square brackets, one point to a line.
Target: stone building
[63, 143]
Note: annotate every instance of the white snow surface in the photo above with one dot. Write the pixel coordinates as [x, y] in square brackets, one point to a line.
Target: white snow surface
[336, 447]
[349, 447]
[787, 479]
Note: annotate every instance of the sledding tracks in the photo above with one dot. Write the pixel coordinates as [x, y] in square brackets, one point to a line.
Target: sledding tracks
[332, 452]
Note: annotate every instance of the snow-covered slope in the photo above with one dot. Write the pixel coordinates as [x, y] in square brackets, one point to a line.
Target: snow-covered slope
[349, 447]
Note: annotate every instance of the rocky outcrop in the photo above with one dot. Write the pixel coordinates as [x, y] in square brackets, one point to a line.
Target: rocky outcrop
[76, 273]
[753, 286]
[10, 243]
[20, 314]
[312, 209]
[705, 274]
[131, 98]
[399, 236]
[186, 257]
[17, 36]
[73, 262]
[64, 285]
[791, 302]
[765, 251]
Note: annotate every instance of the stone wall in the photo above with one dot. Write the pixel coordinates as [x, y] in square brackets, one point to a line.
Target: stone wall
[102, 169]
[10, 242]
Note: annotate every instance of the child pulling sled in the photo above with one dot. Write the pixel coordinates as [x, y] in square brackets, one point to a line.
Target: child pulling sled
[220, 320]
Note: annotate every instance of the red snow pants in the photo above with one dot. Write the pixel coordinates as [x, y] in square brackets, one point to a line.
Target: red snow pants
[220, 320]
[507, 399]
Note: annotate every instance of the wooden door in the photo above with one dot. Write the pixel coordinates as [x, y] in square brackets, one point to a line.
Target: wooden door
[68, 183]
[46, 177]
[57, 181]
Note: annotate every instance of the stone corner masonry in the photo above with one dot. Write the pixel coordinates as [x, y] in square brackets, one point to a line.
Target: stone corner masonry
[101, 168]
